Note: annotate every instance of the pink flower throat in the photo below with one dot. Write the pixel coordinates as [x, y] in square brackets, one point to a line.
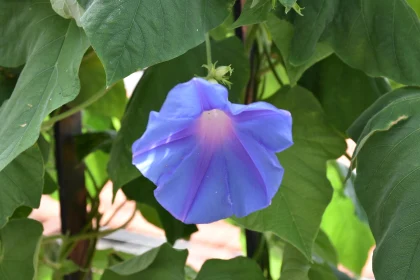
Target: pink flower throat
[213, 127]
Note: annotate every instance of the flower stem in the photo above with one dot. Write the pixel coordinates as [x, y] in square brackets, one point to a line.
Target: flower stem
[208, 51]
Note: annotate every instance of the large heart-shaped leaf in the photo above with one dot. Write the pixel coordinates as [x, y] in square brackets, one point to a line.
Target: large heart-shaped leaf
[132, 34]
[163, 263]
[239, 268]
[296, 211]
[52, 48]
[380, 37]
[19, 244]
[21, 183]
[344, 92]
[387, 181]
[150, 93]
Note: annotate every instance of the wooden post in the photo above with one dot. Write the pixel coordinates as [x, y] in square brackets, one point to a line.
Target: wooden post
[71, 181]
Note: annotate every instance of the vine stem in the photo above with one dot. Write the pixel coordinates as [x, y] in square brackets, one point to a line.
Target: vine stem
[49, 123]
[348, 156]
[90, 235]
[208, 51]
[272, 67]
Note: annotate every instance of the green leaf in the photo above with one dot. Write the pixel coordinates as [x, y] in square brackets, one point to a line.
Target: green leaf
[151, 92]
[239, 268]
[344, 92]
[291, 4]
[88, 143]
[68, 9]
[50, 185]
[66, 267]
[135, 34]
[104, 101]
[321, 271]
[96, 162]
[382, 44]
[295, 265]
[141, 190]
[46, 148]
[19, 246]
[224, 30]
[415, 5]
[296, 210]
[21, 183]
[85, 3]
[255, 2]
[163, 263]
[190, 273]
[282, 33]
[341, 223]
[253, 13]
[52, 48]
[102, 259]
[387, 182]
[309, 28]
[357, 128]
[269, 84]
[95, 122]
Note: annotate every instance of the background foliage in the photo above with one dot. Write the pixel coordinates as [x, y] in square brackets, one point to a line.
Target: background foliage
[345, 69]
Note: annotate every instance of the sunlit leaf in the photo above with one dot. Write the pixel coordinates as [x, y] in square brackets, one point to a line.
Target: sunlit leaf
[350, 234]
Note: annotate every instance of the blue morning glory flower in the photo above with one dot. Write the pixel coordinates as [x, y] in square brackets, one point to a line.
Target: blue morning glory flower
[209, 158]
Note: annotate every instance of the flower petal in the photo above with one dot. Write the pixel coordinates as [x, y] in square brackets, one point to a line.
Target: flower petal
[267, 124]
[162, 145]
[197, 192]
[238, 178]
[211, 159]
[190, 99]
[254, 174]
